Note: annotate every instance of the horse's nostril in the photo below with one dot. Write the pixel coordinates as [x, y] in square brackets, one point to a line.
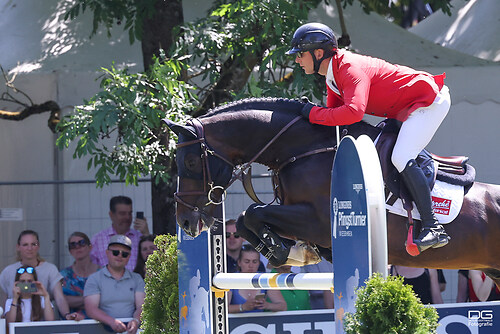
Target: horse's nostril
[185, 226]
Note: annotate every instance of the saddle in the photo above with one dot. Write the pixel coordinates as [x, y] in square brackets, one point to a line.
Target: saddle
[453, 170]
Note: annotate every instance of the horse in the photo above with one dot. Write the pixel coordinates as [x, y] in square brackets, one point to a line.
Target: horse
[213, 149]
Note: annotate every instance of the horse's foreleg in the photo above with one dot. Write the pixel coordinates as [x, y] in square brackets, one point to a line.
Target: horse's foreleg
[252, 238]
[263, 223]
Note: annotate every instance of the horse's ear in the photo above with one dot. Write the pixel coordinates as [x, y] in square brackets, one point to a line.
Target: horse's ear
[180, 129]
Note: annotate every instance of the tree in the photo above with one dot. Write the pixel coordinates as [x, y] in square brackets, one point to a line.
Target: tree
[120, 128]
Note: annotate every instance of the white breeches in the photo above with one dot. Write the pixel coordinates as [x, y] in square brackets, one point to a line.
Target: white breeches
[418, 130]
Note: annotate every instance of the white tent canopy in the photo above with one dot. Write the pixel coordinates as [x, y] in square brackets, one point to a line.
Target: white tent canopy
[473, 28]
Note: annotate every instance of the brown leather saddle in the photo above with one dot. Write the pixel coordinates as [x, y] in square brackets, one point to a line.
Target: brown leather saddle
[453, 170]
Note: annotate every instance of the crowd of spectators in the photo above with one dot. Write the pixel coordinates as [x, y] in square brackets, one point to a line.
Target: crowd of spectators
[105, 282]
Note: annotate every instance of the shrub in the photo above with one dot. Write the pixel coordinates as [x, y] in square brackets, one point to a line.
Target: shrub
[389, 306]
[160, 312]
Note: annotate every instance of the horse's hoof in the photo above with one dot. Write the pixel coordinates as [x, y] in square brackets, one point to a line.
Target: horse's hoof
[302, 254]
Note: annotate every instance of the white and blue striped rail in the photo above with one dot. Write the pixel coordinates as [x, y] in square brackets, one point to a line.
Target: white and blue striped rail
[302, 281]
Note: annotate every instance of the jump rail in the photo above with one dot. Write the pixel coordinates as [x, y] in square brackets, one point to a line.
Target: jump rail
[303, 281]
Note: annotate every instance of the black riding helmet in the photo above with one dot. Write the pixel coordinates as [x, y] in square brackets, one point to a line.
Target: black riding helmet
[312, 36]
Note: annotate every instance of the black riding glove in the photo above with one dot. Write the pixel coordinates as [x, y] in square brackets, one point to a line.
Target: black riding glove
[306, 110]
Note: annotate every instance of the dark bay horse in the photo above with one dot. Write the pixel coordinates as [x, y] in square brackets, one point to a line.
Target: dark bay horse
[212, 146]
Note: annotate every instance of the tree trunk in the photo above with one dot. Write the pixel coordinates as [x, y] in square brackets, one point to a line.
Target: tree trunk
[157, 30]
[157, 34]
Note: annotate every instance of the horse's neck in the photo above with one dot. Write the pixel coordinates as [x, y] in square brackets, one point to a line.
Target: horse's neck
[242, 136]
[241, 139]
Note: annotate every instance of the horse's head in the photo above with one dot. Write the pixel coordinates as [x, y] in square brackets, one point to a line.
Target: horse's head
[203, 178]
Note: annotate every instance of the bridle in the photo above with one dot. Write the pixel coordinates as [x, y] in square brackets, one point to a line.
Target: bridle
[237, 171]
[208, 184]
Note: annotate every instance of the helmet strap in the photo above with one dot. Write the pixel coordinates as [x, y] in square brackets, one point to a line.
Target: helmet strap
[317, 62]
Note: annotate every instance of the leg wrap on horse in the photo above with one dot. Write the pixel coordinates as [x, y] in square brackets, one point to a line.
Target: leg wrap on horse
[275, 244]
[432, 234]
[256, 242]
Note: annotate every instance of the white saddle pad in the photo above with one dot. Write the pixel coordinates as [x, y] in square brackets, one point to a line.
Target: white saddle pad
[447, 200]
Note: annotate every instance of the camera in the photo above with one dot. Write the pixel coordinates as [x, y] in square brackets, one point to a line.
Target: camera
[27, 287]
[139, 214]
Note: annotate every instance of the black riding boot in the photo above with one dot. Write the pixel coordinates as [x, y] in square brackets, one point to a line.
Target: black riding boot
[275, 245]
[432, 233]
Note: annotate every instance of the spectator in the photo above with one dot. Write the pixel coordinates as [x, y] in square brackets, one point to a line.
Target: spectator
[295, 299]
[463, 286]
[319, 299]
[30, 305]
[481, 287]
[114, 291]
[77, 274]
[233, 247]
[120, 213]
[424, 281]
[28, 245]
[251, 300]
[441, 280]
[146, 248]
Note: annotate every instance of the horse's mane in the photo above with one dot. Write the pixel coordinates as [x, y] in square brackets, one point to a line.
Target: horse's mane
[267, 103]
[288, 106]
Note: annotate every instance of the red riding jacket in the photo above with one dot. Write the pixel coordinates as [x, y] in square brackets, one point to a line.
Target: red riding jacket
[376, 87]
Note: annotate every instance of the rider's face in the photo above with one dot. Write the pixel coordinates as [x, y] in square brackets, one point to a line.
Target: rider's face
[304, 59]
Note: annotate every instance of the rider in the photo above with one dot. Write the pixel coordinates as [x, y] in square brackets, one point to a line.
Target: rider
[358, 85]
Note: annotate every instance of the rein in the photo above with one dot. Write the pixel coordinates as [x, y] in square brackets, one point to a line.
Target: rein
[239, 172]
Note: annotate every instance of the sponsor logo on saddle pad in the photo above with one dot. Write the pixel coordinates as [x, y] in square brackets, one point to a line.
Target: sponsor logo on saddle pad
[447, 200]
[441, 205]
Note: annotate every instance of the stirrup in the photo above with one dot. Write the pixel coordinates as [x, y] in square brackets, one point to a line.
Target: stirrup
[438, 233]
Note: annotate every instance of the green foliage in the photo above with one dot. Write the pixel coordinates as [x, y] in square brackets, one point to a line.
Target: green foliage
[258, 31]
[111, 12]
[120, 127]
[160, 312]
[391, 307]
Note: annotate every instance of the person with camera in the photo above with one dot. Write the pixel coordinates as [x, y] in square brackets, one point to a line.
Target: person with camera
[120, 213]
[114, 291]
[28, 247]
[30, 300]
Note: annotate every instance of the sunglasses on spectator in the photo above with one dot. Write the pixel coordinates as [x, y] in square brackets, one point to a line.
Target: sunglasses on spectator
[29, 270]
[77, 244]
[117, 252]
[234, 234]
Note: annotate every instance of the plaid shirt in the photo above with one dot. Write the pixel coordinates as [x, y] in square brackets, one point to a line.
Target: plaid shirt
[100, 244]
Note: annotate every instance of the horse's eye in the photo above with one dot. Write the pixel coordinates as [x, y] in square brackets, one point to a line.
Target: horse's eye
[192, 162]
